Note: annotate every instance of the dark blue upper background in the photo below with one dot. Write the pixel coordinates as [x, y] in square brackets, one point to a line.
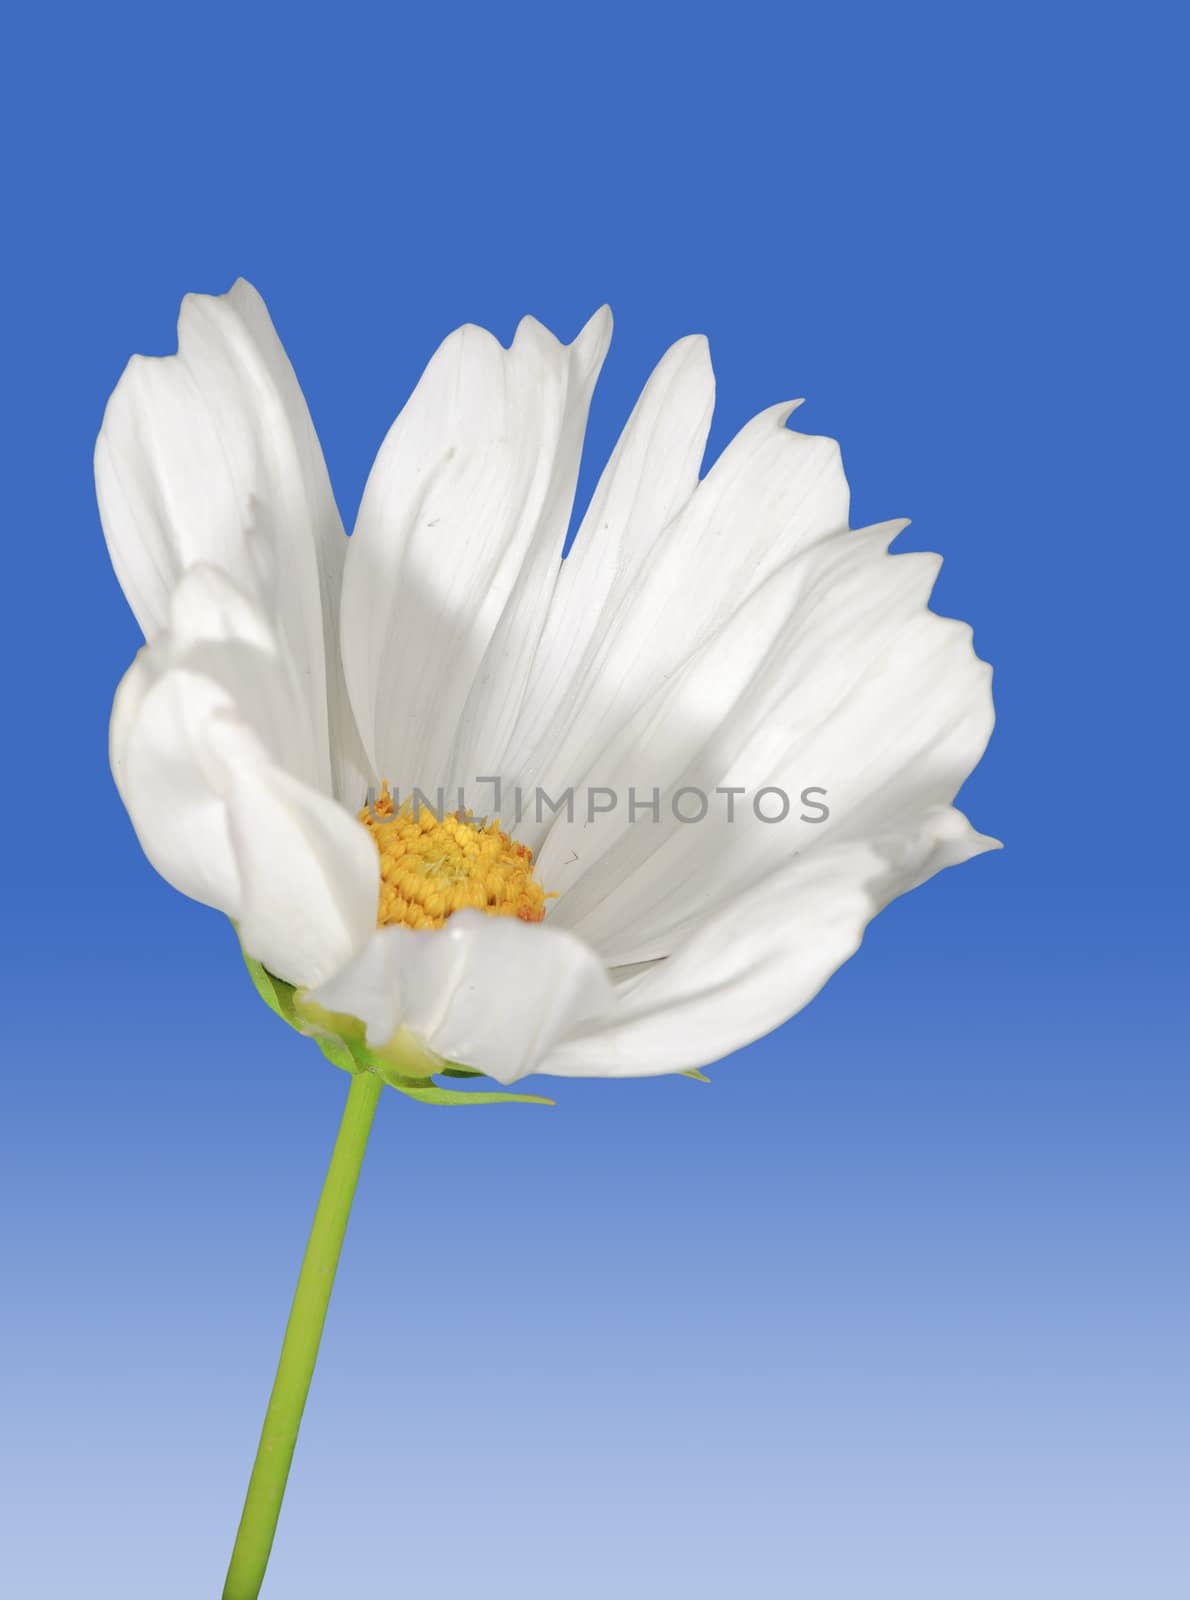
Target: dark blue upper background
[956, 233]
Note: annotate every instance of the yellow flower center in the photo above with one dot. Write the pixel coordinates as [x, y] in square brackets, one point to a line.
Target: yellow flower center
[431, 867]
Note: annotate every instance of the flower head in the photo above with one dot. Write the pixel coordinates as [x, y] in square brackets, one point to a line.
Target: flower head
[711, 653]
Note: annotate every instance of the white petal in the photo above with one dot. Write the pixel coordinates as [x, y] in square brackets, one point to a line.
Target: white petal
[220, 633]
[652, 473]
[215, 671]
[158, 746]
[212, 761]
[486, 992]
[763, 956]
[771, 493]
[309, 878]
[210, 456]
[833, 676]
[459, 539]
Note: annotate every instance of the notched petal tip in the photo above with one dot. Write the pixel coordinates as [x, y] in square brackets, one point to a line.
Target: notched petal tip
[245, 290]
[601, 321]
[780, 414]
[591, 341]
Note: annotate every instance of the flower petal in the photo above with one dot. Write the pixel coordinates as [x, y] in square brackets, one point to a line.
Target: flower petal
[834, 676]
[210, 456]
[459, 539]
[309, 876]
[213, 761]
[772, 493]
[763, 956]
[490, 993]
[652, 473]
[157, 745]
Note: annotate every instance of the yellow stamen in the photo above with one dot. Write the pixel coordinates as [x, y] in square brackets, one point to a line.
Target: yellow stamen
[430, 868]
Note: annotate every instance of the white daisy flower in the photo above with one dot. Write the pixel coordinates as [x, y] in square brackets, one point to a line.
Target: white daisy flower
[725, 639]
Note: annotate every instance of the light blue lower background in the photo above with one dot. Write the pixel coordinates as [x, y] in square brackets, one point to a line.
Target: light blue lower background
[895, 1309]
[882, 1311]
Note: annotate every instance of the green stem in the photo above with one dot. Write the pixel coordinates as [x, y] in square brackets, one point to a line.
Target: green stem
[266, 1487]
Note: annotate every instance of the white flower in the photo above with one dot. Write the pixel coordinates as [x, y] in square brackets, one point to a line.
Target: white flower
[728, 633]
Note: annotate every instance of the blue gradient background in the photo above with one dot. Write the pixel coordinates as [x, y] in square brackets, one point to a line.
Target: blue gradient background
[896, 1309]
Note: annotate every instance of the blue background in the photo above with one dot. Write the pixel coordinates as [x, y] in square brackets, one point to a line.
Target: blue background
[896, 1309]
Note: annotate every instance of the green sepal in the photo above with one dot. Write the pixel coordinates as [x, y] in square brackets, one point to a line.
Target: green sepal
[341, 1040]
[700, 1077]
[432, 1095]
[276, 994]
[335, 1051]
